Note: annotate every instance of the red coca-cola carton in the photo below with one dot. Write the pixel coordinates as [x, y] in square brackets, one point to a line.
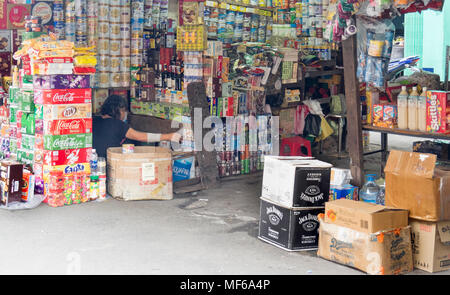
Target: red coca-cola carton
[62, 96]
[69, 126]
[438, 109]
[67, 157]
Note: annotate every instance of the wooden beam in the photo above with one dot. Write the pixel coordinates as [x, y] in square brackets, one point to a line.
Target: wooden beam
[353, 101]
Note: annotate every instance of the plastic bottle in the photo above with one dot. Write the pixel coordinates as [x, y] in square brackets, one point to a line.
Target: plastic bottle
[94, 187]
[422, 110]
[412, 110]
[94, 162]
[370, 190]
[101, 166]
[402, 105]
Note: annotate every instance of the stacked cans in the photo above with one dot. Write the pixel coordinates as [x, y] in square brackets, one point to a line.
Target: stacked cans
[92, 22]
[148, 14]
[70, 24]
[137, 31]
[243, 148]
[103, 60]
[81, 31]
[58, 19]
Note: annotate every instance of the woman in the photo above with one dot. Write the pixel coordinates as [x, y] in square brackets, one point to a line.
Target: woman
[110, 129]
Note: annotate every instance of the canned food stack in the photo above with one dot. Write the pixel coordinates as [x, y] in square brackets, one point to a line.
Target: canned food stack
[125, 45]
[70, 20]
[103, 67]
[149, 21]
[137, 31]
[58, 19]
[92, 22]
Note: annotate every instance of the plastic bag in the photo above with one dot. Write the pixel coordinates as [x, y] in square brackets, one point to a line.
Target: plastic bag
[338, 105]
[33, 202]
[312, 125]
[325, 129]
[374, 47]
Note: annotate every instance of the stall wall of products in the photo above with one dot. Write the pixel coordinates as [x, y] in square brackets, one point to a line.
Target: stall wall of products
[430, 46]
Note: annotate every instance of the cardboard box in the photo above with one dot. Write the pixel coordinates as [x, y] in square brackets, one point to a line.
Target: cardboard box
[296, 181]
[67, 169]
[3, 15]
[431, 245]
[70, 141]
[413, 182]
[142, 175]
[346, 191]
[61, 82]
[438, 110]
[67, 157]
[293, 229]
[364, 217]
[65, 127]
[383, 253]
[11, 174]
[67, 111]
[62, 96]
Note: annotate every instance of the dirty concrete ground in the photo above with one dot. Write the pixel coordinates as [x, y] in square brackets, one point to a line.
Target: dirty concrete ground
[211, 232]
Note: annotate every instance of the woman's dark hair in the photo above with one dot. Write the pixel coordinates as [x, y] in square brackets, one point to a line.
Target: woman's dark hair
[112, 106]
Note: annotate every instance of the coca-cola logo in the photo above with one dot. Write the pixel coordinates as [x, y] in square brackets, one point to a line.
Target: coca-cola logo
[66, 143]
[63, 98]
[69, 112]
[68, 125]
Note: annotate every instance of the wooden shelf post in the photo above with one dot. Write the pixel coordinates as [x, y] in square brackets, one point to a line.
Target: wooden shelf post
[353, 101]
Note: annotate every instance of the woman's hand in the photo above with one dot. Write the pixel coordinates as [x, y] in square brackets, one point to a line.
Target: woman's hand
[175, 137]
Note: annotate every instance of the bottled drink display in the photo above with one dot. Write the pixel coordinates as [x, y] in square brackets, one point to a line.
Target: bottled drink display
[422, 110]
[402, 102]
[370, 190]
[94, 162]
[412, 110]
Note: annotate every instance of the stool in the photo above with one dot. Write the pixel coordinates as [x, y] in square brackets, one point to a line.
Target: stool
[292, 146]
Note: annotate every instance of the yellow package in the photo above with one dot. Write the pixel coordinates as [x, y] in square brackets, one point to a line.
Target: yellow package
[56, 53]
[85, 61]
[54, 45]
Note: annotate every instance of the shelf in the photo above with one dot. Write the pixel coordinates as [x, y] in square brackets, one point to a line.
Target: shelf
[407, 132]
[320, 73]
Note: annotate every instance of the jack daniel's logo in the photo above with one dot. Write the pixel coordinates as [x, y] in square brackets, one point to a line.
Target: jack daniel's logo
[308, 222]
[275, 215]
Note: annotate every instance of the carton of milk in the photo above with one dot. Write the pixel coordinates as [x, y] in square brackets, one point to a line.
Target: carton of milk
[296, 181]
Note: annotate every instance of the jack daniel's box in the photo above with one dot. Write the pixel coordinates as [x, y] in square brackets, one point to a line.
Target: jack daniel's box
[10, 182]
[293, 229]
[296, 181]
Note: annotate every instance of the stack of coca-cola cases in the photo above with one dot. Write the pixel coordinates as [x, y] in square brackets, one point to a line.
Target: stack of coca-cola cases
[50, 131]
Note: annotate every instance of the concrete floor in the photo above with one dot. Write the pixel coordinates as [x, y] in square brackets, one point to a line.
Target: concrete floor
[213, 232]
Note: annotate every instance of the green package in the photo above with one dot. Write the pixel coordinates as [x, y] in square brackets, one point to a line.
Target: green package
[28, 123]
[67, 142]
[39, 112]
[28, 141]
[27, 107]
[25, 156]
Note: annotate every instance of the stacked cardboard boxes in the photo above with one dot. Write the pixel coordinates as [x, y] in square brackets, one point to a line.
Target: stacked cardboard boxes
[294, 192]
[369, 237]
[415, 183]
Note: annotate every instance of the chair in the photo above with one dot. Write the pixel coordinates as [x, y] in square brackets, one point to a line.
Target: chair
[295, 146]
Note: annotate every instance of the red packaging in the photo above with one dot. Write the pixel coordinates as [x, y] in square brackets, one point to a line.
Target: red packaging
[62, 96]
[438, 108]
[16, 15]
[67, 157]
[57, 60]
[70, 126]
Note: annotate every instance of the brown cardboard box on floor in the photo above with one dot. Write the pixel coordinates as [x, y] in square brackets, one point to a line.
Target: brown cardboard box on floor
[142, 175]
[431, 245]
[364, 217]
[382, 253]
[413, 182]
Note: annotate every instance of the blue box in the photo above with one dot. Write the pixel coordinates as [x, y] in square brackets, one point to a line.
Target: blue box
[346, 191]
